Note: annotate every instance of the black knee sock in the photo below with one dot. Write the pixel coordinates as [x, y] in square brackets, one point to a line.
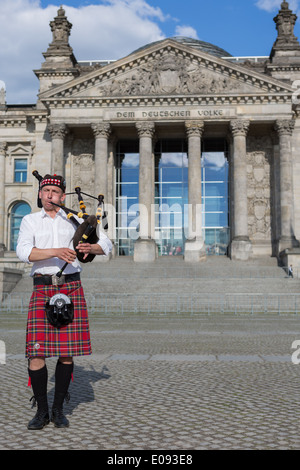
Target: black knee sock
[63, 374]
[39, 380]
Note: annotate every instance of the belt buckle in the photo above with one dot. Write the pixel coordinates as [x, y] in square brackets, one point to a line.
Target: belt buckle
[57, 281]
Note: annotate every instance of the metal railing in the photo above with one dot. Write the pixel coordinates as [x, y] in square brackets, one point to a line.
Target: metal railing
[177, 304]
[103, 62]
[245, 58]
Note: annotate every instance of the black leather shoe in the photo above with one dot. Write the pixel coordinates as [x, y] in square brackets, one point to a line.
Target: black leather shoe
[58, 418]
[40, 420]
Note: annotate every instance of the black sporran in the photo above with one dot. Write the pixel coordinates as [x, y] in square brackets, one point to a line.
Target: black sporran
[59, 310]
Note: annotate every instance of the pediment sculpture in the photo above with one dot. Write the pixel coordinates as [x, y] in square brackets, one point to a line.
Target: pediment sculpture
[171, 75]
[164, 71]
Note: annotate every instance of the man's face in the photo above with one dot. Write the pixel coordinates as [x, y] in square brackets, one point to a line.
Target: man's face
[50, 194]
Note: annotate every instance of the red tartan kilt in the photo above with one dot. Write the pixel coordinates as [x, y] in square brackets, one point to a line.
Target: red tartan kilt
[43, 339]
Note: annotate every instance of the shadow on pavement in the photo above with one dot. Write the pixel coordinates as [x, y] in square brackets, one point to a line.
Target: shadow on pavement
[81, 389]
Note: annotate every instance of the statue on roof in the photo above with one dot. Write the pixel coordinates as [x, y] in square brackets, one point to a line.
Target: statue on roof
[286, 48]
[60, 47]
[285, 23]
[60, 28]
[2, 93]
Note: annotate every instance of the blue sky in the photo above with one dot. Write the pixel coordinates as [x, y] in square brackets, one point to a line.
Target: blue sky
[111, 29]
[239, 26]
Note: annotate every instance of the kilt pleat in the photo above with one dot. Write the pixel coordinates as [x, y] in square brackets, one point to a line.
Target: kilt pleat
[43, 339]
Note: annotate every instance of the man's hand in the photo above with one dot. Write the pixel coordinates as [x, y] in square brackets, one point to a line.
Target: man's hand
[66, 254]
[85, 248]
[88, 248]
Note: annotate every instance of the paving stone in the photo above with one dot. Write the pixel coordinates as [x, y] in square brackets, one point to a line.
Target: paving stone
[187, 383]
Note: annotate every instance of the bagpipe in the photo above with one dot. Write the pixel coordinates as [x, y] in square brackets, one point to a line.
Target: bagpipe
[86, 232]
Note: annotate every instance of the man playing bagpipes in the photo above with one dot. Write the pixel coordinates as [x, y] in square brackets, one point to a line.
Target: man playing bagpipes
[57, 323]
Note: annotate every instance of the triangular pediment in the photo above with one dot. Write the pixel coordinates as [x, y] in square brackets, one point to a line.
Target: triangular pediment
[167, 69]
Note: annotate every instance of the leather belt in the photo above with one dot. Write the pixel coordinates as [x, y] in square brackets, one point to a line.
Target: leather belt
[53, 280]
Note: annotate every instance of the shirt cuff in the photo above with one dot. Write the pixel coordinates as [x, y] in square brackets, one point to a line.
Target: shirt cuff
[106, 247]
[24, 253]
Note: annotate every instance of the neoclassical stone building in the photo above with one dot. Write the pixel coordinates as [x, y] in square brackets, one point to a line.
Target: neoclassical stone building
[197, 153]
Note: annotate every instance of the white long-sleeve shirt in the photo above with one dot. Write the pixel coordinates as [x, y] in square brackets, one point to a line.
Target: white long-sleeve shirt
[42, 231]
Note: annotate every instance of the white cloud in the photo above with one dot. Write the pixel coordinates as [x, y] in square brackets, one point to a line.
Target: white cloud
[107, 31]
[114, 30]
[272, 5]
[174, 159]
[187, 31]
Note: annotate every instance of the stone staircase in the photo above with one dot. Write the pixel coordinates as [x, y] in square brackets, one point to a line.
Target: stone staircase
[170, 285]
[167, 275]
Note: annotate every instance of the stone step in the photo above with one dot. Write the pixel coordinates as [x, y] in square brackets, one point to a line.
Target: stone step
[217, 286]
[169, 275]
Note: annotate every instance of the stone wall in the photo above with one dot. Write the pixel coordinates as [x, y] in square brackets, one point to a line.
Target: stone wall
[9, 277]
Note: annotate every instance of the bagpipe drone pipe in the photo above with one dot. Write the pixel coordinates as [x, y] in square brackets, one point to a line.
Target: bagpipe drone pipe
[86, 232]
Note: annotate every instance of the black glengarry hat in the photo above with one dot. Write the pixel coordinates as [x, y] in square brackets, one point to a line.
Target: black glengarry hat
[53, 180]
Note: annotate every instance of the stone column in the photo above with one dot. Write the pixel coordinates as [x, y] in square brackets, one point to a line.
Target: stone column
[58, 133]
[194, 249]
[2, 197]
[287, 237]
[145, 249]
[241, 247]
[101, 132]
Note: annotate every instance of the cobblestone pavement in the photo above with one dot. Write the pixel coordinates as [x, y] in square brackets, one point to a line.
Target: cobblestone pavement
[168, 383]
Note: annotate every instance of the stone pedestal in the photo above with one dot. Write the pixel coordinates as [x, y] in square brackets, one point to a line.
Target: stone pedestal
[286, 243]
[194, 251]
[145, 251]
[9, 278]
[241, 249]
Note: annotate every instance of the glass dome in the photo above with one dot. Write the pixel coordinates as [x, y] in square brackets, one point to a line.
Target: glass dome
[196, 44]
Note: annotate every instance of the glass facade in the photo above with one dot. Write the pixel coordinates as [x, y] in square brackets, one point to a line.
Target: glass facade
[18, 212]
[171, 196]
[215, 196]
[127, 196]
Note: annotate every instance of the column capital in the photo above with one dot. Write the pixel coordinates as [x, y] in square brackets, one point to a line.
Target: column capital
[101, 129]
[284, 126]
[58, 131]
[239, 127]
[145, 129]
[3, 146]
[194, 128]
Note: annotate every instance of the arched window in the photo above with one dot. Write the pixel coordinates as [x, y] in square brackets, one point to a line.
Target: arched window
[19, 210]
